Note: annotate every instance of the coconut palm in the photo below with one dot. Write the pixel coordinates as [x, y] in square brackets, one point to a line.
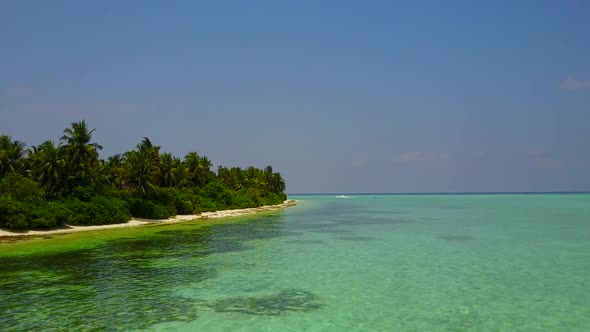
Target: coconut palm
[274, 181]
[48, 167]
[167, 176]
[11, 155]
[278, 183]
[254, 178]
[192, 161]
[111, 168]
[152, 151]
[138, 173]
[181, 176]
[81, 152]
[204, 173]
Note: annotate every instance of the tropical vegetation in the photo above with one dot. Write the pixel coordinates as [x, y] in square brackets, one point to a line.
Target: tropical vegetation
[66, 182]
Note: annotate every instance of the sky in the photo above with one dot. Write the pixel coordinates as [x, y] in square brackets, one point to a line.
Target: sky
[339, 96]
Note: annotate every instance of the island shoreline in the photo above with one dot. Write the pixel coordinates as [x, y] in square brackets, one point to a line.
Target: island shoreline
[137, 222]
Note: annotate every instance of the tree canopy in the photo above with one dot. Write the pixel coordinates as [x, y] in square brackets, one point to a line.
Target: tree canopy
[67, 182]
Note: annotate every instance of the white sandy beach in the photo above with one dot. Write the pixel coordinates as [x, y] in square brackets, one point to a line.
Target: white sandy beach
[140, 222]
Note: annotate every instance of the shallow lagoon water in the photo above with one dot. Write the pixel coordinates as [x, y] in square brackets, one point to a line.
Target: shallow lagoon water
[364, 263]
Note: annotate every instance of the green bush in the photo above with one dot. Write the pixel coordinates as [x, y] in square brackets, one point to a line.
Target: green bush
[113, 210]
[12, 213]
[273, 199]
[85, 194]
[205, 204]
[185, 207]
[243, 200]
[21, 188]
[49, 216]
[164, 196]
[148, 209]
[17, 221]
[256, 196]
[99, 211]
[219, 194]
[177, 201]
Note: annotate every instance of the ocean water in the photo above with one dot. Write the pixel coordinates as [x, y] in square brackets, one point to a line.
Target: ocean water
[362, 263]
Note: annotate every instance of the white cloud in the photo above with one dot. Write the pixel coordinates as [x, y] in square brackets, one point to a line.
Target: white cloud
[417, 156]
[571, 83]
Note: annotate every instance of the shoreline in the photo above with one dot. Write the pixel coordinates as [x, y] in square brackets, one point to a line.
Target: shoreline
[136, 222]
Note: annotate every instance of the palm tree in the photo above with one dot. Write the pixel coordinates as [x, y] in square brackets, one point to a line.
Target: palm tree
[151, 150]
[254, 178]
[167, 176]
[48, 167]
[236, 178]
[11, 155]
[111, 168]
[278, 183]
[192, 161]
[82, 154]
[204, 173]
[274, 181]
[138, 173]
[181, 176]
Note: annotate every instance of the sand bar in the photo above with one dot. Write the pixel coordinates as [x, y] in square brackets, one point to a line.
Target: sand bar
[140, 222]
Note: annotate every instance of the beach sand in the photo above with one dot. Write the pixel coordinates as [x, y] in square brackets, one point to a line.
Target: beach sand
[140, 222]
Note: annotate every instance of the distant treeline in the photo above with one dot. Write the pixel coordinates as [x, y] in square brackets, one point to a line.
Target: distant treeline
[53, 184]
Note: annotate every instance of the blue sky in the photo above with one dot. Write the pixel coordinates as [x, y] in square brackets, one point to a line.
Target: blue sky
[340, 96]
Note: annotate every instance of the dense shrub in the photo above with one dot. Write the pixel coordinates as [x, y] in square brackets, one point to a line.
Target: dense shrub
[242, 200]
[12, 213]
[205, 204]
[217, 193]
[49, 215]
[185, 207]
[164, 196]
[21, 188]
[17, 221]
[148, 209]
[273, 199]
[177, 201]
[20, 215]
[85, 194]
[99, 211]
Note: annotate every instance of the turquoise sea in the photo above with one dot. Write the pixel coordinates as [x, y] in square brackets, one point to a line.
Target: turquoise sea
[358, 263]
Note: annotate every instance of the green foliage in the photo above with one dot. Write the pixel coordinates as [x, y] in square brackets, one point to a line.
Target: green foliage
[52, 184]
[148, 209]
[49, 216]
[243, 200]
[48, 167]
[16, 214]
[181, 202]
[274, 198]
[21, 188]
[12, 213]
[84, 194]
[185, 207]
[139, 172]
[11, 155]
[99, 211]
[216, 192]
[205, 204]
[82, 155]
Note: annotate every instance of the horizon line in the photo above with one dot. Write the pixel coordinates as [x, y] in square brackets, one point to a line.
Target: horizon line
[447, 193]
